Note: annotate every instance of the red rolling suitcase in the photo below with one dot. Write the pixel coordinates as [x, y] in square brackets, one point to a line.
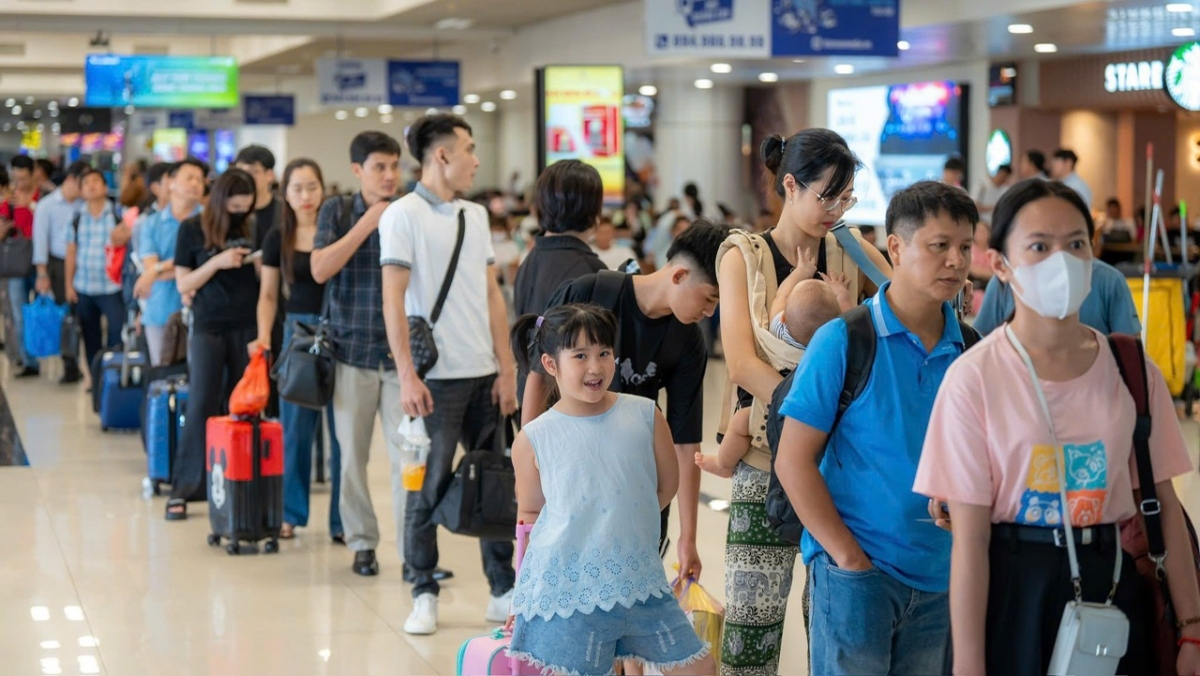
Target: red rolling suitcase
[245, 482]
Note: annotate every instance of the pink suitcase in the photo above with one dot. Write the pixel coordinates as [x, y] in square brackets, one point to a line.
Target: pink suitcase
[487, 655]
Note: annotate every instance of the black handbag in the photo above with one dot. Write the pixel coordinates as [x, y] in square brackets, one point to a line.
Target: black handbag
[481, 501]
[420, 331]
[305, 373]
[68, 337]
[16, 256]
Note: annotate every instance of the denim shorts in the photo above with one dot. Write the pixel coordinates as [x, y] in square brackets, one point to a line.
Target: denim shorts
[654, 631]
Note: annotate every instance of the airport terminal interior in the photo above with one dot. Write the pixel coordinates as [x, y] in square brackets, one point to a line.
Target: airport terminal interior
[156, 115]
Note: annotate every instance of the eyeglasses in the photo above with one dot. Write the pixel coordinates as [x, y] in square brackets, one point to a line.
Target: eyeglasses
[830, 205]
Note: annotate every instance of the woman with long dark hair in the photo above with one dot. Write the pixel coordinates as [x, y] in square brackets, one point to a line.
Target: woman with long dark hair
[814, 177]
[212, 264]
[286, 266]
[1033, 426]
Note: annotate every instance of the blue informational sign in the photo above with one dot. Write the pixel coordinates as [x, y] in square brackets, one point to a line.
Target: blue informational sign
[115, 81]
[835, 27]
[269, 109]
[181, 119]
[423, 83]
[761, 29]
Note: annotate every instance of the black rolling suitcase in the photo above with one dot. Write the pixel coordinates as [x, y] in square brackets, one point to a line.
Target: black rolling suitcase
[245, 482]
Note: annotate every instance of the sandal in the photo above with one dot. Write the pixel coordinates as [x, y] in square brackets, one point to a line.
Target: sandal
[287, 531]
[176, 509]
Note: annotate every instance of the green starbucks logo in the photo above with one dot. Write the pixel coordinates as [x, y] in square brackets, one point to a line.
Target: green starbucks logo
[1182, 78]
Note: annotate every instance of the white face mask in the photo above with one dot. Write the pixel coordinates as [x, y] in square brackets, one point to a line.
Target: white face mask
[1055, 287]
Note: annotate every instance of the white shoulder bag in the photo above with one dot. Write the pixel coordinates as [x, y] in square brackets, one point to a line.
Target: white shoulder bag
[1092, 637]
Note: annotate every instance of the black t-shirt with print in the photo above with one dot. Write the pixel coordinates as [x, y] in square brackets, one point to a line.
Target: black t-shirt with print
[229, 301]
[653, 355]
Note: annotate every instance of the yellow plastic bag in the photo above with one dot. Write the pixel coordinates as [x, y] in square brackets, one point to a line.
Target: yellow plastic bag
[706, 614]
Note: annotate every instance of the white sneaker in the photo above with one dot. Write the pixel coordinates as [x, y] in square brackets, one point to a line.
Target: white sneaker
[423, 619]
[499, 608]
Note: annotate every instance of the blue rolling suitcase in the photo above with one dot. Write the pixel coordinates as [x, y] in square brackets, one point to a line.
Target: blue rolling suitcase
[166, 414]
[120, 389]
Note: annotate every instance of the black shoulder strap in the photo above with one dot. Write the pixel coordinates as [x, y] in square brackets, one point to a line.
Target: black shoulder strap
[1131, 361]
[441, 299]
[75, 223]
[347, 213]
[860, 357]
[607, 291]
[969, 334]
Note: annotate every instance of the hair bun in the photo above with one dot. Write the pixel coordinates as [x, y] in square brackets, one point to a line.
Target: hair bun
[772, 152]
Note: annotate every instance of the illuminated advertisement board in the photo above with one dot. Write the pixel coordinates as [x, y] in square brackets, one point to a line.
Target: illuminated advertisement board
[579, 118]
[115, 81]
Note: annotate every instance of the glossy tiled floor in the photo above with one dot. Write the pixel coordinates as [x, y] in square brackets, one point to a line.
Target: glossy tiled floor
[93, 580]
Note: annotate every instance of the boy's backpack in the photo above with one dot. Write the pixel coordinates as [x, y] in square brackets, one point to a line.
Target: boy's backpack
[860, 358]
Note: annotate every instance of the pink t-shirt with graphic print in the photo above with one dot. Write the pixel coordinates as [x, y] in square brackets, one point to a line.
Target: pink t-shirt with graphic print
[988, 443]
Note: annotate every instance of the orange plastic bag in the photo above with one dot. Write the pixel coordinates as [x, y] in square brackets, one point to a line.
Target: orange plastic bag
[250, 396]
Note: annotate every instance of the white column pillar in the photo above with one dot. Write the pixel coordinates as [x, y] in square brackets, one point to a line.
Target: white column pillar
[698, 139]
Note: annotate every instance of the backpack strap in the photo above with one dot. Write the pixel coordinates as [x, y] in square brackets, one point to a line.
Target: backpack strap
[860, 357]
[347, 213]
[607, 291]
[1131, 361]
[969, 334]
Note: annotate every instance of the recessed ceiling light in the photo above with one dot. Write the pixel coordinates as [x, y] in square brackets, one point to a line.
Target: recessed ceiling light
[341, 115]
[7, 126]
[903, 45]
[41, 127]
[52, 105]
[37, 114]
[453, 24]
[384, 109]
[72, 102]
[768, 77]
[1178, 7]
[29, 100]
[361, 112]
[798, 60]
[721, 68]
[460, 110]
[1183, 32]
[488, 106]
[703, 83]
[843, 69]
[1020, 28]
[10, 103]
[648, 90]
[471, 99]
[386, 118]
[1045, 48]
[432, 111]
[508, 95]
[56, 127]
[16, 110]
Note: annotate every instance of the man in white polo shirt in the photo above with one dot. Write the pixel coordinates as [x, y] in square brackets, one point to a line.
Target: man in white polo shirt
[474, 379]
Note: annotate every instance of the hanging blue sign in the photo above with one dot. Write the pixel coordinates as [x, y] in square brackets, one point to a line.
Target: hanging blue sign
[835, 28]
[181, 119]
[269, 109]
[423, 84]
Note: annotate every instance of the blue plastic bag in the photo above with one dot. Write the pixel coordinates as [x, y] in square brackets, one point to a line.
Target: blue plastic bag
[43, 327]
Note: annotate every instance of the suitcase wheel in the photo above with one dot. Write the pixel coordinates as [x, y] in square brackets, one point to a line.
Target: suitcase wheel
[271, 547]
[214, 540]
[233, 549]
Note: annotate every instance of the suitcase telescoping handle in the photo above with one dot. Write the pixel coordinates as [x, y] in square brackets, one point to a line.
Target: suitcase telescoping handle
[523, 531]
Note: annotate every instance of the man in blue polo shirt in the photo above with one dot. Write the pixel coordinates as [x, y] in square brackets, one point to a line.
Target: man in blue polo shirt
[878, 573]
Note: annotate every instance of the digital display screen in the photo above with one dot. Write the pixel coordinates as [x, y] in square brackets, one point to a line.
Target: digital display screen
[226, 142]
[170, 145]
[198, 145]
[902, 133]
[580, 118]
[115, 81]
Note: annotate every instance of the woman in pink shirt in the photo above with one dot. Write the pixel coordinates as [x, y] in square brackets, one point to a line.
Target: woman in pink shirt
[995, 458]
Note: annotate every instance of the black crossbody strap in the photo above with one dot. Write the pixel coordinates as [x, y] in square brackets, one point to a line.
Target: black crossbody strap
[441, 299]
[1127, 350]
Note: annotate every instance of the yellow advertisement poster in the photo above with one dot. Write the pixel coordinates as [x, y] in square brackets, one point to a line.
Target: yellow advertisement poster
[583, 121]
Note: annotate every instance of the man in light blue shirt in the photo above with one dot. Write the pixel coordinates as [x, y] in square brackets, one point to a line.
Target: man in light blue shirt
[878, 574]
[156, 237]
[51, 231]
[1108, 308]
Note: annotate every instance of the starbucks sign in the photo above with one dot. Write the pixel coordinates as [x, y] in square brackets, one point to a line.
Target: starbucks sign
[1182, 77]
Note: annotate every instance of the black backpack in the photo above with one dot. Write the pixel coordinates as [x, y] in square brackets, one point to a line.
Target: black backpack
[860, 358]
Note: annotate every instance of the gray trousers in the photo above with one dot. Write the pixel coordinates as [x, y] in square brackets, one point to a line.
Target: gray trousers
[358, 396]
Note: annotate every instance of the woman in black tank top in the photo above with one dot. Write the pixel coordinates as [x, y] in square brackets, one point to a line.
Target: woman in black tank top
[814, 175]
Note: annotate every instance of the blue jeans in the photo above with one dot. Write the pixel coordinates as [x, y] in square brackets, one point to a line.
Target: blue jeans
[300, 427]
[866, 622]
[18, 296]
